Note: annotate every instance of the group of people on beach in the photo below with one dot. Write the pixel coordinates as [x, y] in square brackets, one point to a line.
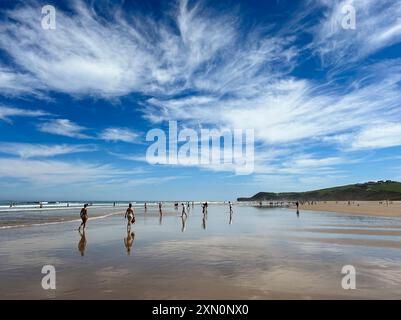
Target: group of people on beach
[130, 216]
[130, 213]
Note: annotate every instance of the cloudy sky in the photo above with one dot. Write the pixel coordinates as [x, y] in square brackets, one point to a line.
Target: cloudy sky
[76, 102]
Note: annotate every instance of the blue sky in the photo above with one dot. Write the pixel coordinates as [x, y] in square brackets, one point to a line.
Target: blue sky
[76, 102]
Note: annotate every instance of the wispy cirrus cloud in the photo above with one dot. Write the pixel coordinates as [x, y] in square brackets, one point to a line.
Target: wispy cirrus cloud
[63, 127]
[119, 134]
[14, 83]
[200, 66]
[56, 172]
[377, 137]
[377, 26]
[201, 50]
[31, 150]
[7, 113]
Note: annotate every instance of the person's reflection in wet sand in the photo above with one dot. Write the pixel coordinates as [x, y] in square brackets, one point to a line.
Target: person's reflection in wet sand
[204, 221]
[82, 243]
[231, 218]
[129, 241]
[184, 223]
[161, 219]
[297, 213]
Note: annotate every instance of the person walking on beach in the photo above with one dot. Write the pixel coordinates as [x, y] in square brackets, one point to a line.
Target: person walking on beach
[146, 207]
[231, 207]
[129, 214]
[183, 210]
[160, 207]
[84, 216]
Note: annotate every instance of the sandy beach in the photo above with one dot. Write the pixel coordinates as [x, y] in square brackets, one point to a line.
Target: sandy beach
[371, 208]
[260, 253]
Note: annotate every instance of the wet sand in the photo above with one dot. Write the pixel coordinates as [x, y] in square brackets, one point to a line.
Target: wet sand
[372, 208]
[263, 254]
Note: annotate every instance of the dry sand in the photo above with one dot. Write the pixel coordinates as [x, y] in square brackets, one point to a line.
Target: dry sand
[369, 208]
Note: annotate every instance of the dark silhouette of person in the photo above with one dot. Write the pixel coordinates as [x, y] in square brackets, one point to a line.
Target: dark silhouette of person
[183, 210]
[84, 216]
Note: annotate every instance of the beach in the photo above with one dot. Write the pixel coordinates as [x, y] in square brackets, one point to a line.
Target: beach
[257, 253]
[371, 208]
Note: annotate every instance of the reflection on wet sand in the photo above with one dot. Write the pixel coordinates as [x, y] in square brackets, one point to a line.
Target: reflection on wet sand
[269, 254]
[231, 219]
[129, 241]
[184, 223]
[204, 219]
[82, 243]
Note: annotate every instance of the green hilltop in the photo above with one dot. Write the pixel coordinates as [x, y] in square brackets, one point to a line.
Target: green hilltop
[380, 190]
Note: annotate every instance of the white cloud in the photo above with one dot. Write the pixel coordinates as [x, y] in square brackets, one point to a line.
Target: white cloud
[52, 172]
[9, 112]
[193, 49]
[43, 174]
[119, 134]
[381, 136]
[205, 69]
[30, 150]
[63, 127]
[13, 83]
[377, 26]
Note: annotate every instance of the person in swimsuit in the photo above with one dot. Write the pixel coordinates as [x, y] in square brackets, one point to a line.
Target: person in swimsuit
[231, 207]
[129, 214]
[84, 216]
[183, 210]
